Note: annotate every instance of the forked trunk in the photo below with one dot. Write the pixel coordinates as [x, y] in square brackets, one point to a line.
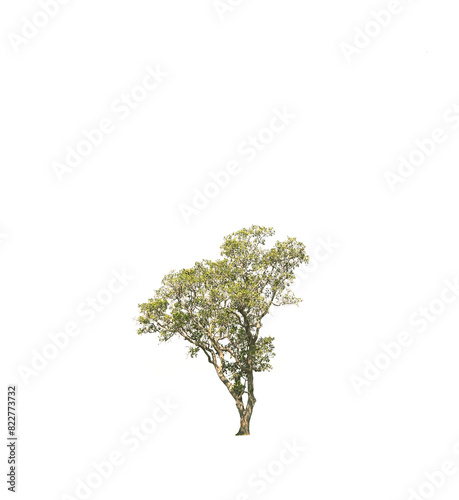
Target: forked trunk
[244, 429]
[245, 415]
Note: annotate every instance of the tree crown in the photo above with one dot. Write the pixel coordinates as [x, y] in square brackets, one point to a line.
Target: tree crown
[218, 306]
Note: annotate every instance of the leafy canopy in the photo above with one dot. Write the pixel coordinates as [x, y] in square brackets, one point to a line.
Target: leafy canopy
[218, 306]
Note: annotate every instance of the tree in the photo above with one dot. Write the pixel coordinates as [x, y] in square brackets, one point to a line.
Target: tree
[218, 308]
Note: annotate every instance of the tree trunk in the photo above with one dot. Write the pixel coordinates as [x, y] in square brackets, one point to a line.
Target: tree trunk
[244, 429]
[246, 414]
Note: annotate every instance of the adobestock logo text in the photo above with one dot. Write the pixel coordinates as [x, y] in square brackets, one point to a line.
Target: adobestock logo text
[224, 7]
[419, 321]
[424, 149]
[88, 310]
[364, 35]
[265, 477]
[248, 149]
[121, 107]
[131, 440]
[39, 20]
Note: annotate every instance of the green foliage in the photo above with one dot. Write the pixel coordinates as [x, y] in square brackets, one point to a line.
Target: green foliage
[218, 306]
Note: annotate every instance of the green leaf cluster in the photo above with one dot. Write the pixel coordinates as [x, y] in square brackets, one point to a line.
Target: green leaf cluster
[218, 306]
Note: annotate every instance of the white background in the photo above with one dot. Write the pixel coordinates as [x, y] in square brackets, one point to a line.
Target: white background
[322, 177]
